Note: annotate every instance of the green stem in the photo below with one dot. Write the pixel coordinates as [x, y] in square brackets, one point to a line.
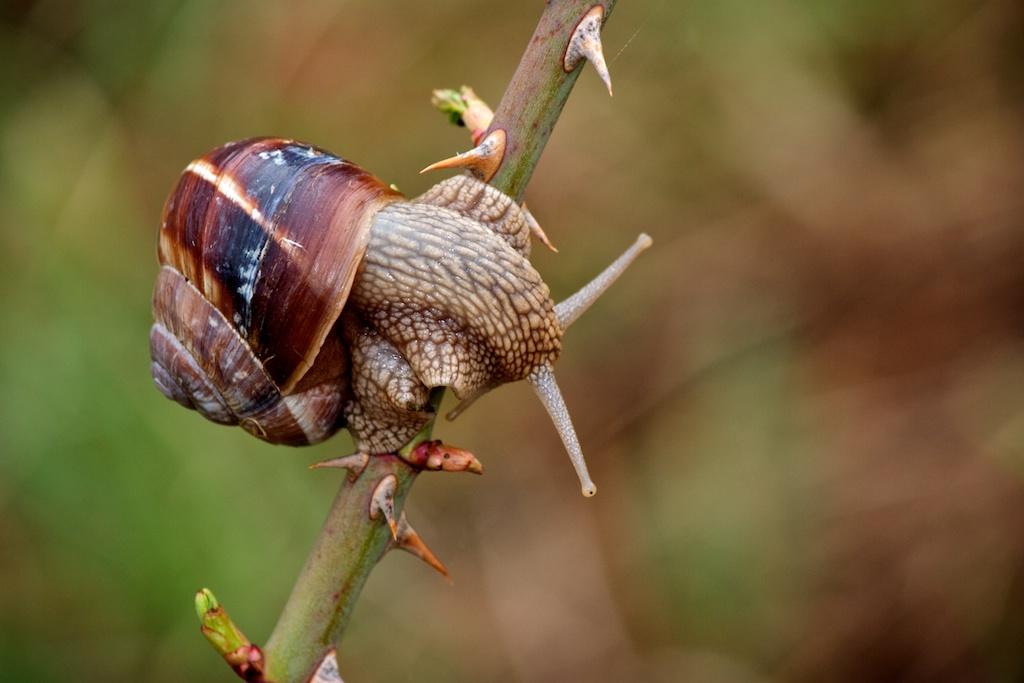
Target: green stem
[350, 544]
[347, 549]
[539, 89]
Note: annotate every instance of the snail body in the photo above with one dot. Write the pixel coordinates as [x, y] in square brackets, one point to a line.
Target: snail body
[298, 294]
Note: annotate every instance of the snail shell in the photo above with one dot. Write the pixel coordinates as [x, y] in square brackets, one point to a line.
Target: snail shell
[259, 245]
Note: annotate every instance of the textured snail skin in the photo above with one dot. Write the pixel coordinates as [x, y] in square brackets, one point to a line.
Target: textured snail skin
[455, 301]
[467, 310]
[300, 294]
[485, 205]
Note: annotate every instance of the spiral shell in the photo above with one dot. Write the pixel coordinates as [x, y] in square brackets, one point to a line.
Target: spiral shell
[260, 243]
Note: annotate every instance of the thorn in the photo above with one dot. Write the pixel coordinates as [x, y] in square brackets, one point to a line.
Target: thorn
[383, 502]
[436, 455]
[327, 669]
[482, 161]
[537, 231]
[410, 541]
[355, 464]
[585, 43]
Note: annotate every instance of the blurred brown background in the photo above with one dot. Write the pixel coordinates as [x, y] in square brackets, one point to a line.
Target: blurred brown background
[804, 407]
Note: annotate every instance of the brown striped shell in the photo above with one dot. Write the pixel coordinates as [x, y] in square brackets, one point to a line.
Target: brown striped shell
[260, 243]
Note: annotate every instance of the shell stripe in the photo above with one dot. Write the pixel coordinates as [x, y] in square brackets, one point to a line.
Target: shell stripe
[260, 177]
[227, 186]
[272, 232]
[200, 361]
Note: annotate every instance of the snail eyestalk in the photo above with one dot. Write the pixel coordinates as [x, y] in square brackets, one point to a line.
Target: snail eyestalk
[542, 379]
[577, 304]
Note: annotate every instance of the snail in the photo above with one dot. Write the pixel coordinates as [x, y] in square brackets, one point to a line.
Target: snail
[298, 294]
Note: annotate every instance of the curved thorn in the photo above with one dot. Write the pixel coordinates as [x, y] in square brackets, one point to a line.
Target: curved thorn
[585, 43]
[382, 502]
[355, 464]
[482, 161]
[410, 541]
[576, 305]
[536, 230]
[542, 378]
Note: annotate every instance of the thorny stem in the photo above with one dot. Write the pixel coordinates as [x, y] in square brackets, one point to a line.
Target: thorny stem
[348, 547]
[350, 544]
[539, 89]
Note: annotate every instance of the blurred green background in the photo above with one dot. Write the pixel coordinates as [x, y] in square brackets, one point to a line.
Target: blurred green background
[804, 407]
